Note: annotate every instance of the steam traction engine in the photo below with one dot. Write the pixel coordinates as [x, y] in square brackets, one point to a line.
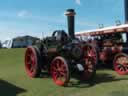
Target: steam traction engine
[62, 55]
[111, 44]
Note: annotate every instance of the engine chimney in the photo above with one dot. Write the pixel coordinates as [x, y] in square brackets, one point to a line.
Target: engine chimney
[70, 13]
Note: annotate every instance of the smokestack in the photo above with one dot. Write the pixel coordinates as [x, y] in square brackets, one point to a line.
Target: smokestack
[70, 13]
[126, 10]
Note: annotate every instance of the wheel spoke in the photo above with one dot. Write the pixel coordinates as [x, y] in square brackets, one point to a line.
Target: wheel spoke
[126, 66]
[90, 66]
[90, 70]
[32, 58]
[57, 63]
[31, 68]
[63, 68]
[121, 69]
[63, 73]
[54, 69]
[56, 76]
[119, 66]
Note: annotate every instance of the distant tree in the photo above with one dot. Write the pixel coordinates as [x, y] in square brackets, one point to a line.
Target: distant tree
[0, 44]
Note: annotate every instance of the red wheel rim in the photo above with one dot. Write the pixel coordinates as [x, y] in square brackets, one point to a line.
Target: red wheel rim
[30, 61]
[91, 52]
[121, 64]
[88, 68]
[59, 71]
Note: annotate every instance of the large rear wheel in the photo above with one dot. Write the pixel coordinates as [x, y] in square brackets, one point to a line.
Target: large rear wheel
[121, 63]
[60, 71]
[89, 69]
[33, 61]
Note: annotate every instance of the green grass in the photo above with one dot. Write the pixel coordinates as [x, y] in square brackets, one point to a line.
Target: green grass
[14, 81]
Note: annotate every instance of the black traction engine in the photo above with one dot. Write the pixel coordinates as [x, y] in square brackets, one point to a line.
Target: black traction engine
[62, 55]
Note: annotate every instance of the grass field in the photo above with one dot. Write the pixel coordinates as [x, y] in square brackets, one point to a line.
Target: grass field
[15, 82]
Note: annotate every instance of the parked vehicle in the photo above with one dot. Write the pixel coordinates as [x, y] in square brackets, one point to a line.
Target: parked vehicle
[7, 43]
[19, 42]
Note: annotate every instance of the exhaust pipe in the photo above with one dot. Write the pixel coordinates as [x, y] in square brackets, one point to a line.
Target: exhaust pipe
[70, 13]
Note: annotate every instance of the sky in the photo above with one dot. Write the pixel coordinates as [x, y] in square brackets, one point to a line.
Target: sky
[41, 17]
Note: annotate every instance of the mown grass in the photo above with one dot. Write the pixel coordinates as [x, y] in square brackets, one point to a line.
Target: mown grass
[15, 82]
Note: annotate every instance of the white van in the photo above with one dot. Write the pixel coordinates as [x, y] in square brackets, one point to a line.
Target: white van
[7, 43]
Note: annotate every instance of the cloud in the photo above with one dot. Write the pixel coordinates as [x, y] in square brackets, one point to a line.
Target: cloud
[78, 2]
[24, 13]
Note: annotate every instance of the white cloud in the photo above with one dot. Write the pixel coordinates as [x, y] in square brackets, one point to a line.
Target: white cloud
[24, 13]
[78, 2]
